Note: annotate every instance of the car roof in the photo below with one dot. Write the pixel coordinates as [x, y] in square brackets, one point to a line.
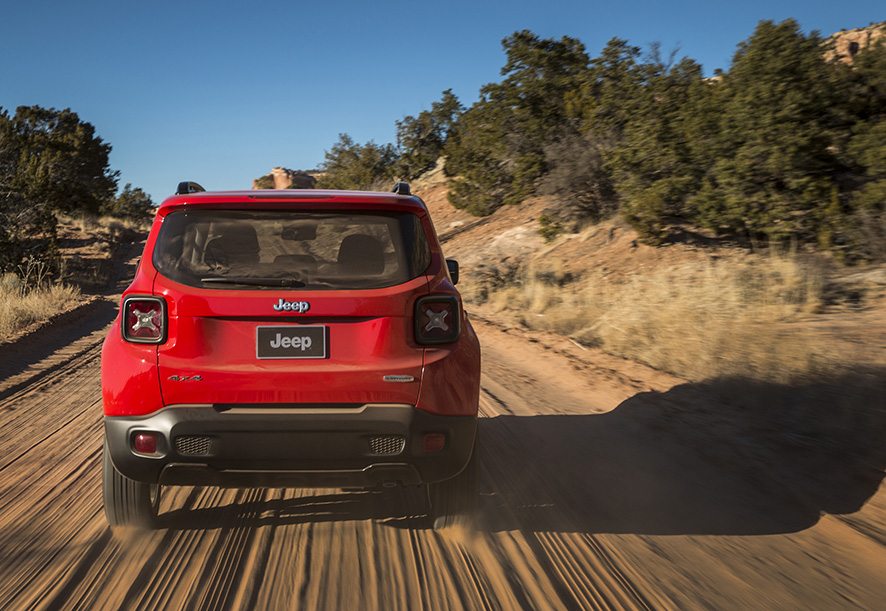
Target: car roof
[294, 196]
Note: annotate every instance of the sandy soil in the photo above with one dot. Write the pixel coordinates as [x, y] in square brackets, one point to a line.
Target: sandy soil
[605, 484]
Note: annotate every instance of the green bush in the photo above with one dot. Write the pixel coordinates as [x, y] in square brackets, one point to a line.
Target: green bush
[350, 165]
[420, 139]
[265, 182]
[131, 203]
[549, 227]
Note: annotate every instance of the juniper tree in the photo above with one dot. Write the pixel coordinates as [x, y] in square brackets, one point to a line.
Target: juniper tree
[420, 139]
[349, 165]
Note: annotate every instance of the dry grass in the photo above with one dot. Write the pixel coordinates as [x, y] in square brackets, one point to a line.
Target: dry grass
[699, 320]
[21, 306]
[34, 294]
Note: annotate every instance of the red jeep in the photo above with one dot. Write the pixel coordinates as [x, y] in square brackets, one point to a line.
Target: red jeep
[297, 338]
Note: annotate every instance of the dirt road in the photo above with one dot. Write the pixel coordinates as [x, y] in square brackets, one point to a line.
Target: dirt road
[605, 485]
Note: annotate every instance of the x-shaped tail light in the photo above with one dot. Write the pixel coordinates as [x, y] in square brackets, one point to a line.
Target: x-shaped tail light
[144, 320]
[437, 319]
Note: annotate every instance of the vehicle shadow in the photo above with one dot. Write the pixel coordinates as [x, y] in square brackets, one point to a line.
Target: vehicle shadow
[727, 457]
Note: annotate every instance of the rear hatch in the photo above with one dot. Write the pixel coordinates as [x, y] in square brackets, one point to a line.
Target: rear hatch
[290, 307]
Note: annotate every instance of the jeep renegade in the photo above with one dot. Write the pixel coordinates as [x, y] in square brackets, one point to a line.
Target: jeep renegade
[294, 338]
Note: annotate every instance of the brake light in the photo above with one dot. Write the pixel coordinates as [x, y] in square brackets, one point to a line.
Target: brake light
[437, 319]
[144, 320]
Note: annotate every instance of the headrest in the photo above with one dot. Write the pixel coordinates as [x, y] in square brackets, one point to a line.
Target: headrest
[238, 243]
[362, 254]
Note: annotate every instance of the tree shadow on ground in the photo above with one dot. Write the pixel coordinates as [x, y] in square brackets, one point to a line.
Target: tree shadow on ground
[726, 457]
[52, 337]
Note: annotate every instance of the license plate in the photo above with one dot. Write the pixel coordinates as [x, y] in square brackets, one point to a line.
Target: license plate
[291, 342]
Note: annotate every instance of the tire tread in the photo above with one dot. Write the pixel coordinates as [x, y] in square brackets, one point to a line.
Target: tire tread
[127, 502]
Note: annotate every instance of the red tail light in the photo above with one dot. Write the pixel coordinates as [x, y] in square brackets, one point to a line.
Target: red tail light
[144, 320]
[437, 319]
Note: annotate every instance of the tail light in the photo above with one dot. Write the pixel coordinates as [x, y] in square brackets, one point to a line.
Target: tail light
[437, 319]
[144, 320]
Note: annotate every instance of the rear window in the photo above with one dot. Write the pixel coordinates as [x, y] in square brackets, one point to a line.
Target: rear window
[271, 249]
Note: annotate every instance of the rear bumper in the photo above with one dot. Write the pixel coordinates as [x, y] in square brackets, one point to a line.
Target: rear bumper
[288, 446]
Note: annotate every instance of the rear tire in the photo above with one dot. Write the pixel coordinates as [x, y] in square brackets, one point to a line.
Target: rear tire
[128, 503]
[455, 501]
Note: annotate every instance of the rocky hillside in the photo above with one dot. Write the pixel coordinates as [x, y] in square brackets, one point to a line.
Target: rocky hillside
[848, 43]
[696, 306]
[284, 178]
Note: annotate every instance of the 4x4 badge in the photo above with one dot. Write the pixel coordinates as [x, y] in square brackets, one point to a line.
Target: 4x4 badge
[292, 306]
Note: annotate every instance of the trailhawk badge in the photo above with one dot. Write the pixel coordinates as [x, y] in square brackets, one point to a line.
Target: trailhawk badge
[292, 306]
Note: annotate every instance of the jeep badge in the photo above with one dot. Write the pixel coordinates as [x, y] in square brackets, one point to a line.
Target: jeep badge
[292, 306]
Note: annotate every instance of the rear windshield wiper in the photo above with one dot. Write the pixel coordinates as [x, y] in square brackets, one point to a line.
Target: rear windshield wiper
[253, 281]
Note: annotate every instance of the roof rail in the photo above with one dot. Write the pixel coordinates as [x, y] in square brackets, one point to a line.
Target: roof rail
[188, 187]
[402, 188]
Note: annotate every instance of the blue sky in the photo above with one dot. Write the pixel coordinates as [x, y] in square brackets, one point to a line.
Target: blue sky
[220, 92]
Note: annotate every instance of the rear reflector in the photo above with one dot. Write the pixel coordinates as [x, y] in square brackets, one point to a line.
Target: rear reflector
[433, 442]
[144, 320]
[437, 319]
[145, 443]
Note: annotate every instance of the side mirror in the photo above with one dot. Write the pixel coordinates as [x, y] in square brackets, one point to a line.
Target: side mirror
[452, 266]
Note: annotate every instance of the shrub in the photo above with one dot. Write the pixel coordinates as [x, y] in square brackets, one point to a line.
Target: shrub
[420, 139]
[131, 203]
[350, 165]
[579, 179]
[265, 182]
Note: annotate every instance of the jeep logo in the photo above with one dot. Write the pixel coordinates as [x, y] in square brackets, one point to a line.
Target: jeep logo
[292, 306]
[291, 342]
[298, 343]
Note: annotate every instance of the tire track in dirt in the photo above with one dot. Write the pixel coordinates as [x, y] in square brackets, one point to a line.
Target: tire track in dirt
[535, 546]
[211, 568]
[587, 575]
